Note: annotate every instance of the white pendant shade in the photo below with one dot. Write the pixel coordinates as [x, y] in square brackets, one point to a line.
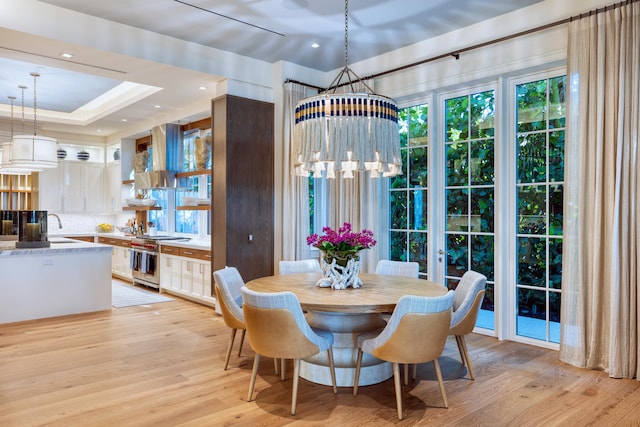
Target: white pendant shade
[5, 164]
[34, 152]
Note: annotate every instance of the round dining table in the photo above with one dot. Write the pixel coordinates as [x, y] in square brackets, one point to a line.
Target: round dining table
[347, 313]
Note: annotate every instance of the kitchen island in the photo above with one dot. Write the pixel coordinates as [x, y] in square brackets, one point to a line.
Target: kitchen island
[69, 277]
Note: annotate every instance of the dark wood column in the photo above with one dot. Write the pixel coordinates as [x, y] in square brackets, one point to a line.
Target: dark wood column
[242, 185]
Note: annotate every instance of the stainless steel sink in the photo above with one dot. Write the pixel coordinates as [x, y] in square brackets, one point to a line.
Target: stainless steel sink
[55, 240]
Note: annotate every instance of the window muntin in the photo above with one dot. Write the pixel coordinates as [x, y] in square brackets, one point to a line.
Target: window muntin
[409, 192]
[539, 171]
[469, 139]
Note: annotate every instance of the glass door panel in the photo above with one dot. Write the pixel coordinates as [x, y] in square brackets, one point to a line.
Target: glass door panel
[469, 190]
[539, 172]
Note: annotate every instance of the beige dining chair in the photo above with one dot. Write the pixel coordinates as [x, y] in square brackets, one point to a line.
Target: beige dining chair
[416, 333]
[466, 304]
[299, 266]
[228, 283]
[277, 328]
[397, 268]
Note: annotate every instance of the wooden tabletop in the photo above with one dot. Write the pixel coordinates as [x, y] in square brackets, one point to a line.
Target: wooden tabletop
[378, 294]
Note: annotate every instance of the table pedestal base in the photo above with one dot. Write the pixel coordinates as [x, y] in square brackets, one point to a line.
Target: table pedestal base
[346, 327]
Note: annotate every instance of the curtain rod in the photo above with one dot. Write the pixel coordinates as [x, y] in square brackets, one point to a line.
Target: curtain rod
[456, 53]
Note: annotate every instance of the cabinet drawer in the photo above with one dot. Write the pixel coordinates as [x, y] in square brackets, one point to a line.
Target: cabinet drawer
[83, 238]
[173, 250]
[196, 253]
[114, 241]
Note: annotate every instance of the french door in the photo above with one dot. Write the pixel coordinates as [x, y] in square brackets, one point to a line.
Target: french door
[466, 191]
[483, 191]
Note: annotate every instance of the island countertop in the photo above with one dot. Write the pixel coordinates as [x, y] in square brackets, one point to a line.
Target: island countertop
[58, 245]
[65, 278]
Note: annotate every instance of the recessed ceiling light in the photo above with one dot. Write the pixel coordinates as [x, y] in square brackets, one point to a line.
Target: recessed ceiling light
[315, 45]
[203, 88]
[99, 130]
[157, 106]
[124, 120]
[67, 55]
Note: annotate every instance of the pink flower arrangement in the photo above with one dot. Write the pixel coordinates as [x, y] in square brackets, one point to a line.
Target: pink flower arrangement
[344, 240]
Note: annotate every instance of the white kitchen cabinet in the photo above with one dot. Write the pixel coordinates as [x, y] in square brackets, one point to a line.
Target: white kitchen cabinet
[50, 189]
[186, 266]
[196, 278]
[170, 273]
[120, 263]
[113, 187]
[201, 280]
[187, 273]
[74, 186]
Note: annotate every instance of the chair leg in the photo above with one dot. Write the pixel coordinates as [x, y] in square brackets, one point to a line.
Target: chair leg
[244, 331]
[276, 366]
[406, 374]
[465, 356]
[436, 365]
[282, 368]
[415, 370]
[396, 382]
[231, 339]
[254, 374]
[460, 349]
[332, 369]
[294, 392]
[357, 375]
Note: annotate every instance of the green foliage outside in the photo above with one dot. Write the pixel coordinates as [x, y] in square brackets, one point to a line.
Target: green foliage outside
[470, 192]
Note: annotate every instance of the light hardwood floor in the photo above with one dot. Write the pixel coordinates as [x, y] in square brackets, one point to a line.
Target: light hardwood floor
[161, 365]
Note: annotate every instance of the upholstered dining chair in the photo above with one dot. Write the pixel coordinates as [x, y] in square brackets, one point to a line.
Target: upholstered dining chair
[277, 328]
[397, 268]
[416, 333]
[300, 266]
[228, 282]
[468, 297]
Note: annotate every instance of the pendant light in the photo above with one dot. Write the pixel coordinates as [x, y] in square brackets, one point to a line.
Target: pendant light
[348, 132]
[5, 152]
[33, 152]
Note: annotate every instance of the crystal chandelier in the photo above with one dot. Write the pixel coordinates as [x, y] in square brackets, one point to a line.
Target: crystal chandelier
[348, 132]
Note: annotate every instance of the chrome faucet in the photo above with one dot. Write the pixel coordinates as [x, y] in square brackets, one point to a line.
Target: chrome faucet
[59, 222]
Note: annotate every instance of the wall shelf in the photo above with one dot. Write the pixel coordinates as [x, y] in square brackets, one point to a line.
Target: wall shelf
[194, 208]
[141, 208]
[193, 173]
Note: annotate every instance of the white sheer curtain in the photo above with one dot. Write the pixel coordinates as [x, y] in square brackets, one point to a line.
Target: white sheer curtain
[601, 249]
[295, 203]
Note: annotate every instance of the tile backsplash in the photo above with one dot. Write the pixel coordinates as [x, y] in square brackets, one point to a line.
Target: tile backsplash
[84, 223]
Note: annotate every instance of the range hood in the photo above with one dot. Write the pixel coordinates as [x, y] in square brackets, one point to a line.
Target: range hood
[163, 140]
[155, 179]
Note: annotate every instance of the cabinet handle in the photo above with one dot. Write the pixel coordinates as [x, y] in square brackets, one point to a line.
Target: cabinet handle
[188, 253]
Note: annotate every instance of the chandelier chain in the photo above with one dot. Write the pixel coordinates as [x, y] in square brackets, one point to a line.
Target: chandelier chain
[22, 88]
[35, 114]
[346, 32]
[12, 98]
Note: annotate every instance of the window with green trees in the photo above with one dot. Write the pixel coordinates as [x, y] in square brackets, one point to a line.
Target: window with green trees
[409, 193]
[540, 132]
[469, 191]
